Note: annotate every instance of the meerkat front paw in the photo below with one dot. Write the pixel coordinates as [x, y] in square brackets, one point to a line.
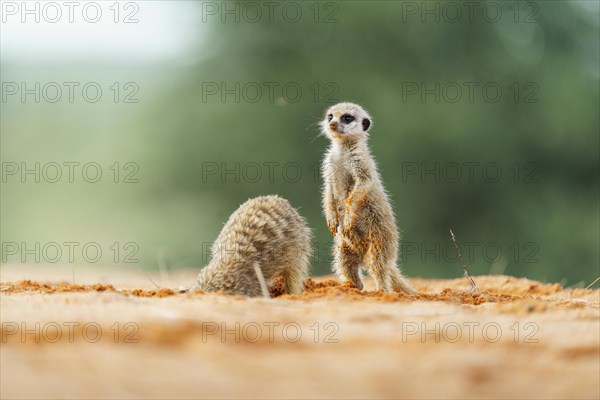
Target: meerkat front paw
[347, 229]
[346, 232]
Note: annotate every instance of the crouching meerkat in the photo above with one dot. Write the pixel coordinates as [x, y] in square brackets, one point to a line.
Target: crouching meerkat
[357, 208]
[263, 239]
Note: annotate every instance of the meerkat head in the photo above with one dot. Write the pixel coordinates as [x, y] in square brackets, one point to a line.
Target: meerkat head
[346, 121]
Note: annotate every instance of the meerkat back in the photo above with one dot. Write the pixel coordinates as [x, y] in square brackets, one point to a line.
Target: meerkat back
[264, 238]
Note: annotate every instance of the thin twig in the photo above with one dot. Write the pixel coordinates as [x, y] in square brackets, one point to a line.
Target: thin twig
[150, 279]
[592, 284]
[162, 265]
[464, 265]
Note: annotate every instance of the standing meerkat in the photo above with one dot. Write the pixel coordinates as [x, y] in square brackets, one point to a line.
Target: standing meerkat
[357, 208]
[264, 238]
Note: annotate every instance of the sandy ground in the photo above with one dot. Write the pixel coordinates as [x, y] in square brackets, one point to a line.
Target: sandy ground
[113, 335]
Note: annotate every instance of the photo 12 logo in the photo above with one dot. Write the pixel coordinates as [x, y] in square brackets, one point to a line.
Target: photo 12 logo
[252, 12]
[270, 252]
[469, 92]
[253, 332]
[452, 12]
[71, 252]
[52, 12]
[469, 172]
[69, 172]
[53, 332]
[69, 92]
[279, 93]
[251, 172]
[527, 252]
[453, 332]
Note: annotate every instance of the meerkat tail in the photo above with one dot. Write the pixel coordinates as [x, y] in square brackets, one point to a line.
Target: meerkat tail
[399, 284]
[261, 281]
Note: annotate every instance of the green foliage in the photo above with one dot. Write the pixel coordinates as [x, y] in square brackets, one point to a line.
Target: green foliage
[541, 135]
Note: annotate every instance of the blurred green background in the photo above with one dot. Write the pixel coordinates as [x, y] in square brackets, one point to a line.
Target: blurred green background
[198, 149]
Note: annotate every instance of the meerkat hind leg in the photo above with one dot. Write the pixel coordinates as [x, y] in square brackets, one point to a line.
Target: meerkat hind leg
[379, 269]
[348, 267]
[297, 264]
[293, 281]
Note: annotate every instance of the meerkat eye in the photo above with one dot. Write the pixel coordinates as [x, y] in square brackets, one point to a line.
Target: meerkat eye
[347, 118]
[329, 117]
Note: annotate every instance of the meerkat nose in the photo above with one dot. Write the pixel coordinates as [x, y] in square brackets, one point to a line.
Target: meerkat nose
[333, 125]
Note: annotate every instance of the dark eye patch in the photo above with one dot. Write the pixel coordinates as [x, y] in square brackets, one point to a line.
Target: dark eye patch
[329, 117]
[347, 118]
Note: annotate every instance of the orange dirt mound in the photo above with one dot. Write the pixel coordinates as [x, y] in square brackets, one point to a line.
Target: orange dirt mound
[325, 289]
[47, 288]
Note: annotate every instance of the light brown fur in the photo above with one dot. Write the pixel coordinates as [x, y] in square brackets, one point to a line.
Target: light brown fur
[264, 232]
[357, 208]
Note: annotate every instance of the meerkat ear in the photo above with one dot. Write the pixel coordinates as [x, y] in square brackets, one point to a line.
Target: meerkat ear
[366, 123]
